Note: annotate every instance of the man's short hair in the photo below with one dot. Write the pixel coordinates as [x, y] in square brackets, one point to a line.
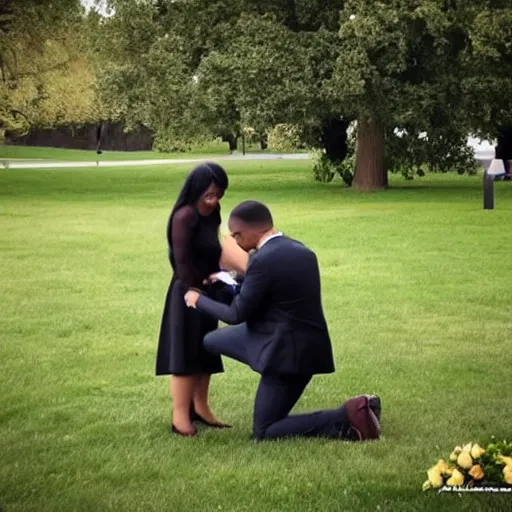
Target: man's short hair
[253, 213]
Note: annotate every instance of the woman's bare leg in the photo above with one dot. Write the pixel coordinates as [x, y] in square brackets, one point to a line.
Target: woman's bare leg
[202, 386]
[182, 388]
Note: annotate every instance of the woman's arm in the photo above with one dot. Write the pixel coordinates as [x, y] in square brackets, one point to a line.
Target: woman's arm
[183, 224]
[233, 257]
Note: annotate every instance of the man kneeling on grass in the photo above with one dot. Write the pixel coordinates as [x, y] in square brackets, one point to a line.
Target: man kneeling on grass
[279, 330]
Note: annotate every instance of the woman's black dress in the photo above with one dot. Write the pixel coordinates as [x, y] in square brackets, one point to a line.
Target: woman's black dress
[196, 253]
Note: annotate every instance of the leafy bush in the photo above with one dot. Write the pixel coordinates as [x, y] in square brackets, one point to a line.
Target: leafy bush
[284, 137]
[169, 141]
[346, 169]
[408, 153]
[166, 143]
[323, 168]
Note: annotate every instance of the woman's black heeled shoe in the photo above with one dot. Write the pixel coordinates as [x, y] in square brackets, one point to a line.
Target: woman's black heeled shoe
[195, 417]
[174, 430]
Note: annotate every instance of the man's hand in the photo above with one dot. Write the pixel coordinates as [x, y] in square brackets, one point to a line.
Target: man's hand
[191, 298]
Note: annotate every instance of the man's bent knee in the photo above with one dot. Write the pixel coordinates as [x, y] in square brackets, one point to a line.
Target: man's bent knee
[229, 342]
[210, 342]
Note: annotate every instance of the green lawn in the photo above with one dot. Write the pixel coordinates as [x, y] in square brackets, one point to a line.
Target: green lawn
[417, 291]
[78, 155]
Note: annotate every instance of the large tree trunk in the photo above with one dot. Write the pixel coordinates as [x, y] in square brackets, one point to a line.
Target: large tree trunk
[371, 173]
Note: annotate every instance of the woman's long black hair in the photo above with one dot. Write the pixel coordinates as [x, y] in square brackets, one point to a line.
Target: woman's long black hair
[196, 183]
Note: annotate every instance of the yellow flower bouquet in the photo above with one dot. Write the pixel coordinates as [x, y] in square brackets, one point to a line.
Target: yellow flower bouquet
[472, 465]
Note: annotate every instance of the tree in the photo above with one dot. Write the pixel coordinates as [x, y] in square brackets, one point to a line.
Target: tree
[420, 68]
[144, 78]
[487, 67]
[244, 58]
[386, 64]
[45, 74]
[398, 67]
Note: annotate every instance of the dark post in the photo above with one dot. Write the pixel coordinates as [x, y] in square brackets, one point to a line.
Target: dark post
[495, 169]
[488, 191]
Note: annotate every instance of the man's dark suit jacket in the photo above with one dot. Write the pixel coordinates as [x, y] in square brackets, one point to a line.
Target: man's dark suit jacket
[280, 302]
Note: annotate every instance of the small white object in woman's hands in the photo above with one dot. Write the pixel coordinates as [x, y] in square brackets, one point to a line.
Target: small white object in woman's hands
[223, 276]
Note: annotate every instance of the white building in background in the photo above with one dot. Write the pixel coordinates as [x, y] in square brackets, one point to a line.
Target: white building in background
[484, 149]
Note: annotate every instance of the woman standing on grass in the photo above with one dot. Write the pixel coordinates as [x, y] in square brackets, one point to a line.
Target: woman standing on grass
[195, 253]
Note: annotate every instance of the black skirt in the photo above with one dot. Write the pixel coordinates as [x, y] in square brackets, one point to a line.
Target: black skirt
[180, 346]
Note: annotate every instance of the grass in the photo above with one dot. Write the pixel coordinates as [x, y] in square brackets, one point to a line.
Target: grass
[78, 155]
[416, 287]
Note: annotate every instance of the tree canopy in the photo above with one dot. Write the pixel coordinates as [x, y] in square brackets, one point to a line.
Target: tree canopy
[46, 76]
[417, 76]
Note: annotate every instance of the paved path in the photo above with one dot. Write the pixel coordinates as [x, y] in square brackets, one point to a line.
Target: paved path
[484, 153]
[52, 164]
